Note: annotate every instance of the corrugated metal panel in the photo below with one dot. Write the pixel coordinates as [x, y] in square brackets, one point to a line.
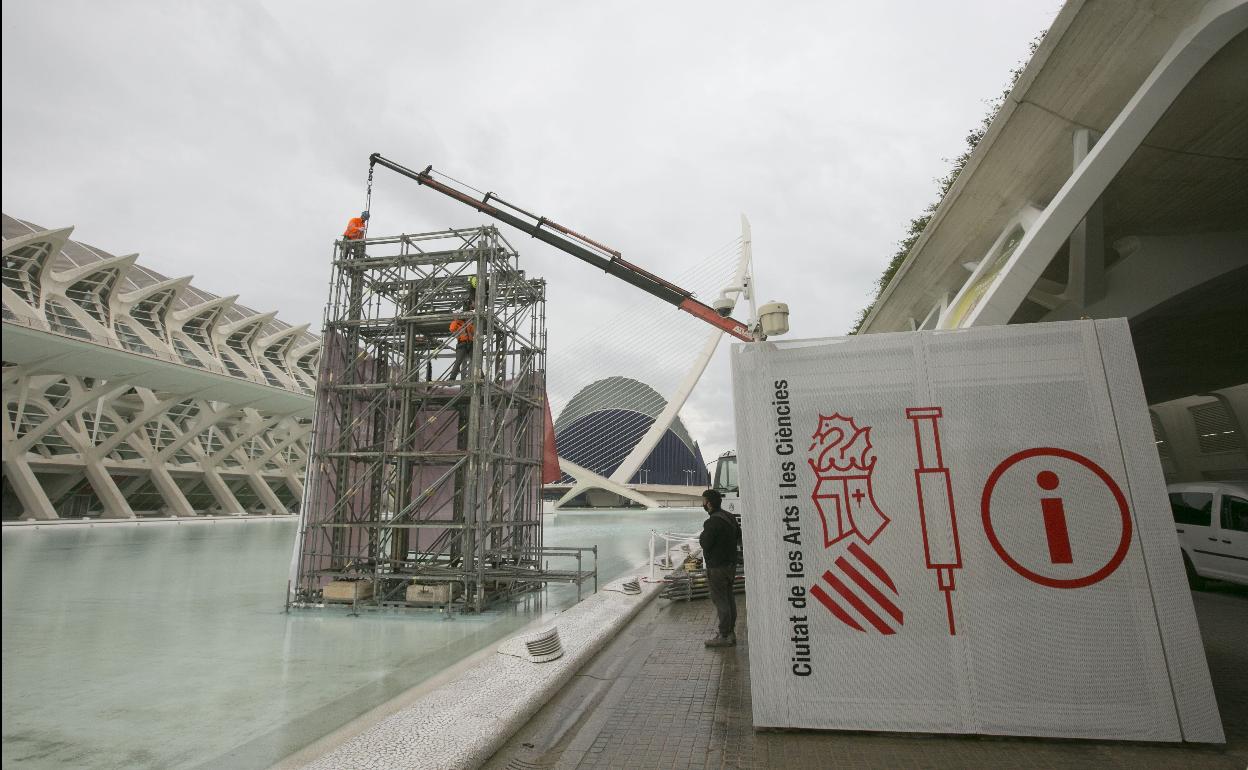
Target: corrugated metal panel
[1159, 435]
[1215, 428]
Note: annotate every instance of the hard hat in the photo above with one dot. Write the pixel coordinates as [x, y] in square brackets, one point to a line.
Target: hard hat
[364, 215]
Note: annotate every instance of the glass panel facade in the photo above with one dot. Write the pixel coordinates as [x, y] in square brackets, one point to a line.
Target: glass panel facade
[21, 270]
[91, 294]
[131, 340]
[62, 321]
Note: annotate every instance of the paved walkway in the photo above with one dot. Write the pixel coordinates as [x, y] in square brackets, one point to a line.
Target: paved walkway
[656, 698]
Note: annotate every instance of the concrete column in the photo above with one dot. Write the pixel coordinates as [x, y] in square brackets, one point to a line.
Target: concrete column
[1085, 282]
[221, 491]
[295, 483]
[115, 505]
[106, 490]
[275, 453]
[254, 427]
[170, 492]
[35, 502]
[265, 493]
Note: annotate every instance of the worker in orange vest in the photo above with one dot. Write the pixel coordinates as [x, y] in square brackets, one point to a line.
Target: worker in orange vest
[464, 331]
[355, 232]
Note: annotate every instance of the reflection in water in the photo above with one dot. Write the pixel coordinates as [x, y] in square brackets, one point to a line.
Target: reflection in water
[166, 645]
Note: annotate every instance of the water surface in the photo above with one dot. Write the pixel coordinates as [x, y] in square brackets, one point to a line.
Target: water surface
[167, 646]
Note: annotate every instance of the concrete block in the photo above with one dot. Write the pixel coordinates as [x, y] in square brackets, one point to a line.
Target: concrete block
[348, 590]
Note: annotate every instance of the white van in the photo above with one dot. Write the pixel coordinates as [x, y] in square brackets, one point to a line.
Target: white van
[1211, 518]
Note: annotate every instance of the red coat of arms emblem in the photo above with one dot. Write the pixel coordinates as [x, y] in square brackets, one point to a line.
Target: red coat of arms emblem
[843, 468]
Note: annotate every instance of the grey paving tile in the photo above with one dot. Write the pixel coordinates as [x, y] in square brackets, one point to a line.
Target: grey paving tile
[683, 706]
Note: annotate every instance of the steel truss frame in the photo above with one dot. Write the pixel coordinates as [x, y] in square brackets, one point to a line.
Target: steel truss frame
[416, 478]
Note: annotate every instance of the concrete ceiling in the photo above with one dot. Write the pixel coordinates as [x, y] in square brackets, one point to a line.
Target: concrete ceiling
[1191, 174]
[1195, 342]
[1187, 178]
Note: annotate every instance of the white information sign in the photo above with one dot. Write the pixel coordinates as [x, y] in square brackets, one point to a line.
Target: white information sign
[963, 532]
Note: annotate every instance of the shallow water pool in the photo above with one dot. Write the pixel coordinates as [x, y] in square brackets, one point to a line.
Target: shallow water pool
[167, 645]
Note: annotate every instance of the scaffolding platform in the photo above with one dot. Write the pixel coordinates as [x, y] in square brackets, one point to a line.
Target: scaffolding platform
[425, 470]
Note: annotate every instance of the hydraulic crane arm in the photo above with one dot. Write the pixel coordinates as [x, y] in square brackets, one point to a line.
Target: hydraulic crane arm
[577, 245]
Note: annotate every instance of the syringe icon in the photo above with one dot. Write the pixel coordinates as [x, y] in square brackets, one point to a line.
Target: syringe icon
[936, 513]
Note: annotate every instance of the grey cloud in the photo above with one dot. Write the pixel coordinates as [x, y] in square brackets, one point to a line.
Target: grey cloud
[230, 140]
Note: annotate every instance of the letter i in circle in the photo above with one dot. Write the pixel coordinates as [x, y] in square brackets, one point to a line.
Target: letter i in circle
[1054, 520]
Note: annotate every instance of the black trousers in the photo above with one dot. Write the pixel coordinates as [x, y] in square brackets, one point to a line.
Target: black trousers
[719, 580]
[463, 352]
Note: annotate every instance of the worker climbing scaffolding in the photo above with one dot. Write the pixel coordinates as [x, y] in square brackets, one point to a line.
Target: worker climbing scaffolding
[464, 330]
[420, 493]
[357, 227]
[423, 494]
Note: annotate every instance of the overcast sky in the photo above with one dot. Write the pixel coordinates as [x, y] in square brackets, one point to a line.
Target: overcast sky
[230, 140]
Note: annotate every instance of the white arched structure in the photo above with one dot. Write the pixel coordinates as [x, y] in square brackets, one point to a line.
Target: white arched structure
[128, 393]
[1110, 184]
[585, 479]
[1007, 274]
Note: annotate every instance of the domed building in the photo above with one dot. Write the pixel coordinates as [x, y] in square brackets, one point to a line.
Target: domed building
[602, 425]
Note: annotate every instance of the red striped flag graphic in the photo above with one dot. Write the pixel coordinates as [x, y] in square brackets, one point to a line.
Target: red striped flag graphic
[858, 593]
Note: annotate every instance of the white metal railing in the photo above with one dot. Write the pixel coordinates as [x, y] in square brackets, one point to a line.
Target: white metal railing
[669, 538]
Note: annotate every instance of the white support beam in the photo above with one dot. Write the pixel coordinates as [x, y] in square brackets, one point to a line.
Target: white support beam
[170, 492]
[1085, 281]
[586, 480]
[205, 419]
[106, 490]
[35, 502]
[126, 428]
[1220, 21]
[77, 402]
[265, 493]
[221, 492]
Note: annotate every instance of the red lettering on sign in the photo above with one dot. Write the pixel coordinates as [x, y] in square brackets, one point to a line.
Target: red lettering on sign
[1055, 528]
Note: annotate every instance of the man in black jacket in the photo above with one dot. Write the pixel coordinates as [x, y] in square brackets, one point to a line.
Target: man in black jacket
[719, 538]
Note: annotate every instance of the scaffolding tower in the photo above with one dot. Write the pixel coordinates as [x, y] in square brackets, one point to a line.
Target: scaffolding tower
[424, 484]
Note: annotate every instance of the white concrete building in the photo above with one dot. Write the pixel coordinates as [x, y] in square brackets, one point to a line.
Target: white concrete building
[1113, 182]
[128, 393]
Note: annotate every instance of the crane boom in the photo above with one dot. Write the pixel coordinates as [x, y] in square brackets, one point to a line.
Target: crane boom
[566, 240]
